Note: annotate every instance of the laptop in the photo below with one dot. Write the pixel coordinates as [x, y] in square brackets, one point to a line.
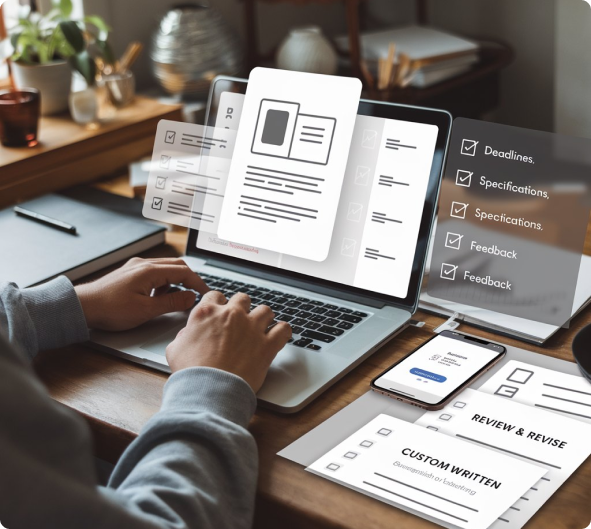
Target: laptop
[343, 309]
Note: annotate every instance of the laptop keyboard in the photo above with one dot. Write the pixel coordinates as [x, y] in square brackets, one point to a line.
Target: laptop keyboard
[314, 324]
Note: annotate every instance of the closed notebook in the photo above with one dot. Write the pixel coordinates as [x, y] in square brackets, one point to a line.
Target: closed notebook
[32, 253]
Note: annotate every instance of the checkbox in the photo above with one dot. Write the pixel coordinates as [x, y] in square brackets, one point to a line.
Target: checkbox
[354, 212]
[459, 405]
[521, 376]
[384, 431]
[333, 466]
[453, 240]
[458, 210]
[506, 391]
[469, 147]
[348, 247]
[351, 455]
[368, 139]
[463, 178]
[366, 443]
[448, 271]
[170, 136]
[161, 182]
[445, 417]
[157, 203]
[164, 161]
[362, 175]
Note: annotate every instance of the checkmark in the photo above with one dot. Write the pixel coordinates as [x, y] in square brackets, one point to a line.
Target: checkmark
[362, 175]
[170, 136]
[453, 240]
[368, 139]
[164, 161]
[458, 210]
[354, 212]
[463, 178]
[469, 147]
[348, 247]
[448, 271]
[157, 203]
[161, 182]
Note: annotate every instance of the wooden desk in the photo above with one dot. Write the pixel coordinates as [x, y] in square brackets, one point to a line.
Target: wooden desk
[118, 397]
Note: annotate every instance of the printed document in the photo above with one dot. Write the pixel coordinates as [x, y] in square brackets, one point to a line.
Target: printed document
[446, 478]
[547, 440]
[289, 162]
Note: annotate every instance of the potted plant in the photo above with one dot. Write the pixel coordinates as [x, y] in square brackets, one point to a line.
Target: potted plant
[47, 47]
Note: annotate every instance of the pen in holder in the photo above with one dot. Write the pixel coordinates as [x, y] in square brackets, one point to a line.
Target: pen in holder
[120, 87]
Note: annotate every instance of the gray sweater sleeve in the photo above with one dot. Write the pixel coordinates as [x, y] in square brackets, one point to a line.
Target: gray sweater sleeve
[194, 465]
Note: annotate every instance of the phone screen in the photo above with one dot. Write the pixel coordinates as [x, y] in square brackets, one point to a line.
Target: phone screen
[439, 367]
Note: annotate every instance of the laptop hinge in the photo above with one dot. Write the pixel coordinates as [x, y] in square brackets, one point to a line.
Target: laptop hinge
[332, 292]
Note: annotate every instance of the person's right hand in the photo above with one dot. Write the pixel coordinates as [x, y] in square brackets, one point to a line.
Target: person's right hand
[225, 335]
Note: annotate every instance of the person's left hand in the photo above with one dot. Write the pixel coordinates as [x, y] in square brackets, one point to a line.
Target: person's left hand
[122, 299]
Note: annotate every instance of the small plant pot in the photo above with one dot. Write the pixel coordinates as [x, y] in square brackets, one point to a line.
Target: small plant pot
[53, 81]
[85, 106]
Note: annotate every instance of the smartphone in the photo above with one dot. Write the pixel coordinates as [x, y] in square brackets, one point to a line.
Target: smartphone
[438, 370]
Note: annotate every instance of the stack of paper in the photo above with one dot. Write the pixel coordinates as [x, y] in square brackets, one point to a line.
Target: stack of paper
[437, 55]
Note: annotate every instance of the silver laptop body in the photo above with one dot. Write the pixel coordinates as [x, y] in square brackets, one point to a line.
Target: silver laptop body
[301, 373]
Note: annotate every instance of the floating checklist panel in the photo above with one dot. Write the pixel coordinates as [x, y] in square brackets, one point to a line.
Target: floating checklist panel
[188, 174]
[513, 215]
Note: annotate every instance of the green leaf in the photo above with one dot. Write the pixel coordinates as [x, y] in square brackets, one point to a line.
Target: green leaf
[73, 35]
[85, 66]
[99, 23]
[65, 7]
[106, 51]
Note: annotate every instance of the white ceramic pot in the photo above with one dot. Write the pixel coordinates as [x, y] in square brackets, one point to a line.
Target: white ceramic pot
[85, 106]
[52, 80]
[306, 49]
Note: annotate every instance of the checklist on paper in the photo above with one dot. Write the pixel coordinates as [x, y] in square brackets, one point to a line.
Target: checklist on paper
[289, 162]
[526, 434]
[188, 174]
[437, 475]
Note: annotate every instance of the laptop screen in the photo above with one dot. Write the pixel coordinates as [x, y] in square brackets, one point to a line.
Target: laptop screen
[386, 207]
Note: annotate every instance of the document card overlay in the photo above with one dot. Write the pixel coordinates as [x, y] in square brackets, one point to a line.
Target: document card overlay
[545, 439]
[542, 388]
[402, 464]
[289, 162]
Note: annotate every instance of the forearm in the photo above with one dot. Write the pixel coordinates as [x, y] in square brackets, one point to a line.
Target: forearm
[42, 317]
[195, 464]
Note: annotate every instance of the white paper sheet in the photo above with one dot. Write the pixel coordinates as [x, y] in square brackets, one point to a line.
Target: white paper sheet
[550, 441]
[451, 480]
[542, 388]
[289, 162]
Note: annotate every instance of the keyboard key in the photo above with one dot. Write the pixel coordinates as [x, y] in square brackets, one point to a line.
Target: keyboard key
[267, 297]
[360, 314]
[331, 307]
[303, 342]
[333, 331]
[296, 330]
[276, 293]
[318, 336]
[350, 318]
[289, 296]
[299, 321]
[237, 284]
[306, 306]
[304, 314]
[280, 299]
[292, 303]
[303, 300]
[312, 325]
[319, 310]
[345, 325]
[263, 289]
[290, 340]
[317, 303]
[331, 321]
[318, 318]
[276, 307]
[314, 347]
[284, 317]
[291, 312]
[332, 314]
[344, 310]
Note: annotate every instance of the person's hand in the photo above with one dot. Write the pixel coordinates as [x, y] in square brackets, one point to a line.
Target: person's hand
[122, 299]
[223, 334]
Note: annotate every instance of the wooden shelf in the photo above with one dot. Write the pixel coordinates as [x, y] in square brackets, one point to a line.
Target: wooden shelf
[69, 154]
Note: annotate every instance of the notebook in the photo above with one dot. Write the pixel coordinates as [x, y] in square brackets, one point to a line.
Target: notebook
[33, 253]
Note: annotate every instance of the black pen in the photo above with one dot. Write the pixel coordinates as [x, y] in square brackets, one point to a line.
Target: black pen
[43, 219]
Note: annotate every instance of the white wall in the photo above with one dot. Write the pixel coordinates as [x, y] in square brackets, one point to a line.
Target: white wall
[573, 68]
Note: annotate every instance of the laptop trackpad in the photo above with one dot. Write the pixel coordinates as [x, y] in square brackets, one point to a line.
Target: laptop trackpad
[159, 344]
